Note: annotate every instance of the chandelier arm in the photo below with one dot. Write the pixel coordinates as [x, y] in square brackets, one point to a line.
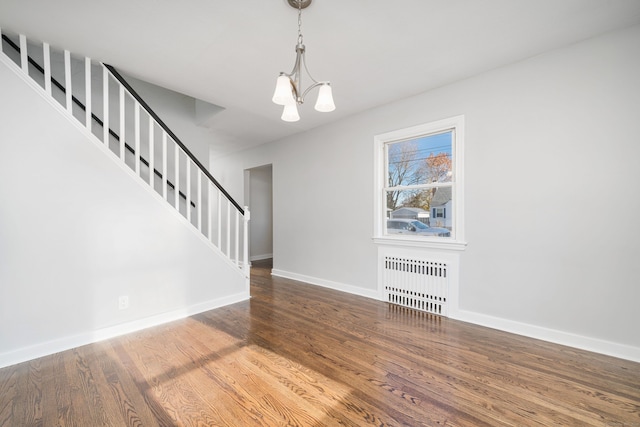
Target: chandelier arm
[316, 84]
[304, 62]
[296, 65]
[298, 73]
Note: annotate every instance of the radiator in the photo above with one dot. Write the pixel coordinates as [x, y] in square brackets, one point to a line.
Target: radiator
[416, 283]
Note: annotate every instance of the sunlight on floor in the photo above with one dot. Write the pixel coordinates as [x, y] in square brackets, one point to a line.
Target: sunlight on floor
[262, 381]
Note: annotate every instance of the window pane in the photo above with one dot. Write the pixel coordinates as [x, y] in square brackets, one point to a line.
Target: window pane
[420, 160]
[432, 207]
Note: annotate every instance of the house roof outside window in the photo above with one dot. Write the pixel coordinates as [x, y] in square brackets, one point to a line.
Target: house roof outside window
[441, 197]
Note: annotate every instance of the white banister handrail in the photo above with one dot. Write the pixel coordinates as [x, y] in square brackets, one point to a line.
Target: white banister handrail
[151, 154]
[188, 189]
[209, 213]
[164, 164]
[87, 92]
[237, 243]
[245, 246]
[67, 80]
[24, 56]
[228, 251]
[105, 109]
[136, 124]
[46, 53]
[199, 201]
[219, 217]
[176, 187]
[122, 122]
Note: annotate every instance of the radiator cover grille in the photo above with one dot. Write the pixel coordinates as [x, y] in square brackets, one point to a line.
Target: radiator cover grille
[416, 283]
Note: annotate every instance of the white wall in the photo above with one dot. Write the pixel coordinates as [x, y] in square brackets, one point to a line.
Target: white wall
[548, 141]
[179, 113]
[260, 201]
[77, 231]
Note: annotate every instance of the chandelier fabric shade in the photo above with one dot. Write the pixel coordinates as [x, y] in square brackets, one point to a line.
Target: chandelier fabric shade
[288, 92]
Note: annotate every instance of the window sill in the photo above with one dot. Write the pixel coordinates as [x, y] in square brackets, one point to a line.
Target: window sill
[451, 245]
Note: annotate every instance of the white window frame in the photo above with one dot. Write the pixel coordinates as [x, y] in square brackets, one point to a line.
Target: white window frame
[456, 241]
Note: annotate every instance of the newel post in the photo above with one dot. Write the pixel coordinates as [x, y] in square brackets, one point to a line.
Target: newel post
[245, 255]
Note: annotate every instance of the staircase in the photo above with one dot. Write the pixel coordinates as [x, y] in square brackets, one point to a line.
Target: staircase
[97, 95]
[108, 223]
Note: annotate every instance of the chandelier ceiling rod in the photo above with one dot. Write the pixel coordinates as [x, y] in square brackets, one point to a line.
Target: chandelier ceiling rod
[289, 91]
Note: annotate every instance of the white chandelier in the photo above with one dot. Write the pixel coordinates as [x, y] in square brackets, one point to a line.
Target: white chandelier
[289, 86]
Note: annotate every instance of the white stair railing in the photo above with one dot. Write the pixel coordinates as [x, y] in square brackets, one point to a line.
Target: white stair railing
[138, 138]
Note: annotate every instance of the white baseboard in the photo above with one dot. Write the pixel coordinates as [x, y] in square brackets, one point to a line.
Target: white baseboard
[532, 331]
[367, 293]
[551, 335]
[66, 343]
[260, 257]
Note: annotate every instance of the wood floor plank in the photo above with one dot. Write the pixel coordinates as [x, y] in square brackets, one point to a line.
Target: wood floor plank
[302, 355]
[8, 394]
[81, 394]
[29, 391]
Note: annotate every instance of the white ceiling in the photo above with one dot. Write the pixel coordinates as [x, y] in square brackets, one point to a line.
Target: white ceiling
[229, 52]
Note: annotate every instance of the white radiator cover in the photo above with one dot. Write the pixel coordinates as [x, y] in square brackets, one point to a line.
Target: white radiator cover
[420, 280]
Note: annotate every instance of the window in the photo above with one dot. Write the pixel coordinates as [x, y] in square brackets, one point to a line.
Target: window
[419, 180]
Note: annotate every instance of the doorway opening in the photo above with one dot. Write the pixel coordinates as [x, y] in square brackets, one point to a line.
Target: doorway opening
[258, 191]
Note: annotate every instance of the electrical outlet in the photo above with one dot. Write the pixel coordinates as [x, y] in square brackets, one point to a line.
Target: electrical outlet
[123, 302]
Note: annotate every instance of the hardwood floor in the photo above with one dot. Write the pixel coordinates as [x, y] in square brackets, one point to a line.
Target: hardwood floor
[300, 355]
